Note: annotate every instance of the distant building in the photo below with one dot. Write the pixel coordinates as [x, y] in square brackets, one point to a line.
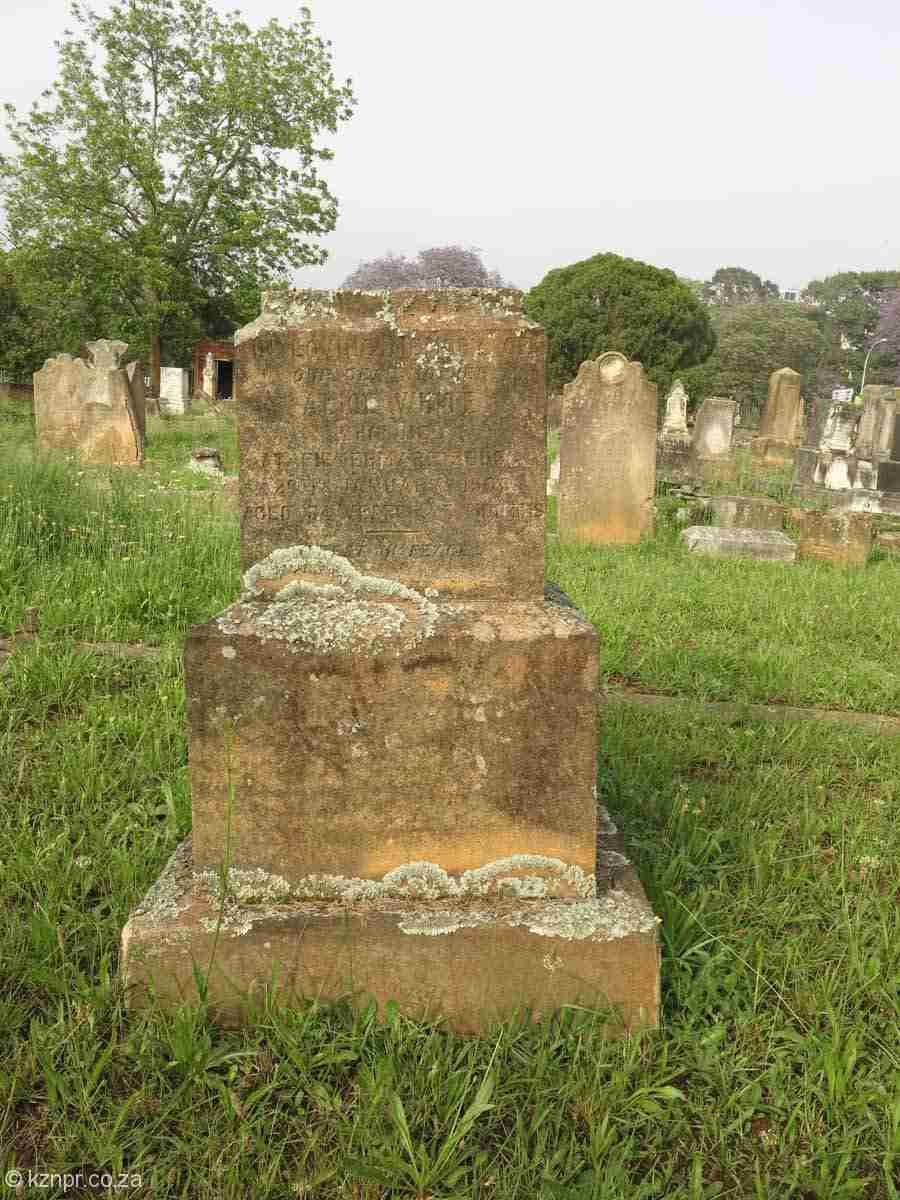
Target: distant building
[213, 370]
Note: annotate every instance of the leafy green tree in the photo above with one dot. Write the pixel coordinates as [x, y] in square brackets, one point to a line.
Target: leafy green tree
[613, 303]
[737, 285]
[848, 310]
[753, 340]
[174, 161]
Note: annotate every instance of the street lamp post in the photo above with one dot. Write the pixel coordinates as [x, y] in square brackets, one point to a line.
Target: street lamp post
[866, 363]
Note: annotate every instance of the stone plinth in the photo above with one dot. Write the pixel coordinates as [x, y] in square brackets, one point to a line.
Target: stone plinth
[405, 430]
[888, 541]
[93, 412]
[838, 537]
[747, 512]
[767, 544]
[486, 962]
[463, 739]
[608, 446]
[781, 422]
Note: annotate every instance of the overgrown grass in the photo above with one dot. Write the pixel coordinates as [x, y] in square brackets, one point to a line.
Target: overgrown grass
[770, 852]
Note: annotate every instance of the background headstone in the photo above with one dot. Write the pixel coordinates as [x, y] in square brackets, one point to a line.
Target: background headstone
[608, 445]
[781, 423]
[95, 412]
[174, 391]
[675, 423]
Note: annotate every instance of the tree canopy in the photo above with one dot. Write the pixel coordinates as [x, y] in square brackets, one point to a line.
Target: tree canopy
[440, 266]
[753, 340]
[737, 285]
[848, 310]
[613, 303]
[172, 167]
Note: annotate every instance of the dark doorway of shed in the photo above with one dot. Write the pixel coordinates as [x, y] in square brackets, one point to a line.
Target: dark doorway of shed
[224, 379]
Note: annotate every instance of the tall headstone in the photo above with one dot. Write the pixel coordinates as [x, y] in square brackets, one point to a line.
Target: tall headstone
[781, 423]
[94, 411]
[174, 391]
[875, 436]
[391, 733]
[713, 438]
[607, 445]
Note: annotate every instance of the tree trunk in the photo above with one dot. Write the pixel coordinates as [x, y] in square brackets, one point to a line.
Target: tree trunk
[154, 364]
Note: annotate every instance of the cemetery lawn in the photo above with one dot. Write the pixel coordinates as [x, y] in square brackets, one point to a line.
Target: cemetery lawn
[770, 851]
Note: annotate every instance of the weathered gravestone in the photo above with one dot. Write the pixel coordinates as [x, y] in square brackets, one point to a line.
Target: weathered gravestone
[747, 512]
[838, 537]
[674, 452]
[766, 544]
[781, 424]
[392, 733]
[94, 412]
[713, 436]
[174, 391]
[875, 435]
[607, 446]
[675, 424]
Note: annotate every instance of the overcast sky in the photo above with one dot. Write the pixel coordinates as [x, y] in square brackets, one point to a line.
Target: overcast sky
[692, 134]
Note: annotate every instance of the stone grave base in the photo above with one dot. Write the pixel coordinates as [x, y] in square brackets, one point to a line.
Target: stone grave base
[838, 537]
[770, 452]
[472, 963]
[849, 499]
[747, 512]
[714, 470]
[764, 544]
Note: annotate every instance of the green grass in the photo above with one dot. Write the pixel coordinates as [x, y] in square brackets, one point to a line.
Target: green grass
[769, 851]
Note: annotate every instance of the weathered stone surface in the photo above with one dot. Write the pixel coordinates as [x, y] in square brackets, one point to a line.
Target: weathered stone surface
[888, 479]
[838, 537]
[404, 430]
[675, 461]
[475, 965]
[675, 426]
[106, 354]
[134, 372]
[174, 391]
[888, 541]
[608, 448]
[396, 761]
[393, 731]
[782, 415]
[769, 544]
[91, 412]
[747, 512]
[714, 428]
[553, 478]
[875, 435]
[841, 427]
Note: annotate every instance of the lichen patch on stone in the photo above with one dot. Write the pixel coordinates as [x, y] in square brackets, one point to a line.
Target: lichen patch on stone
[356, 611]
